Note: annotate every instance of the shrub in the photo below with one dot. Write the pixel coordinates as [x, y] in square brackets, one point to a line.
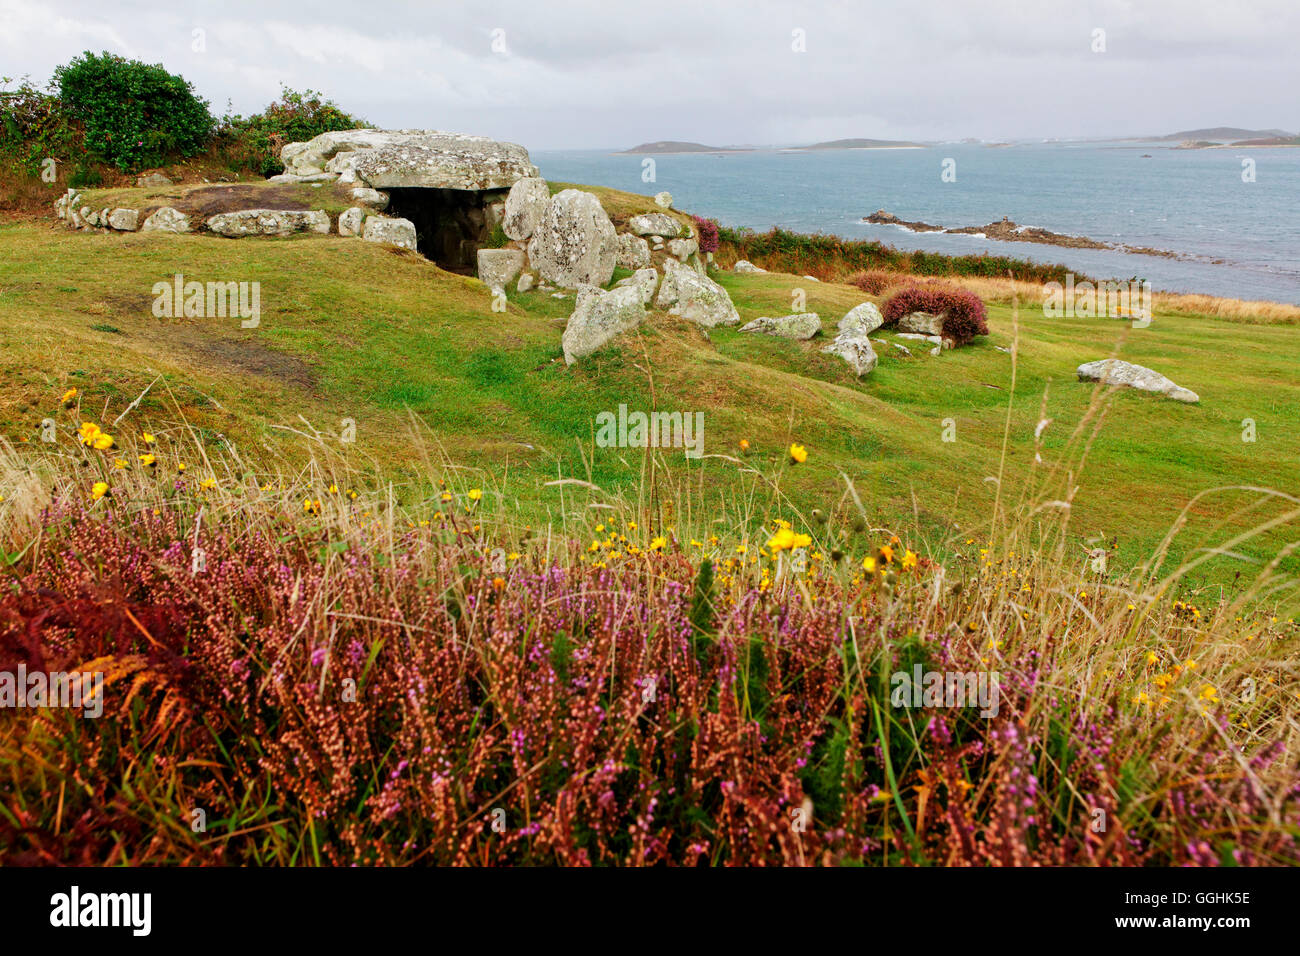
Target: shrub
[707, 231]
[875, 281]
[963, 312]
[800, 253]
[135, 114]
[254, 143]
[34, 126]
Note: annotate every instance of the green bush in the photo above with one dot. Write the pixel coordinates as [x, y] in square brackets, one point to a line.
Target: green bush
[134, 114]
[34, 127]
[254, 143]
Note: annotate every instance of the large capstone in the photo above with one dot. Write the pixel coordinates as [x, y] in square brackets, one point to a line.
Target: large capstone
[430, 159]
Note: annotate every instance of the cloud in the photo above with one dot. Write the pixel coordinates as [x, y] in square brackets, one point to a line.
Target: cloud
[582, 73]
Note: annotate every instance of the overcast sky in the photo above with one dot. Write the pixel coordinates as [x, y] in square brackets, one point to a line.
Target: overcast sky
[554, 74]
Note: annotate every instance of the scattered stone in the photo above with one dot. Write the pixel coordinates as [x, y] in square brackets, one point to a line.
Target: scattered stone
[812, 279]
[633, 252]
[695, 297]
[526, 282]
[902, 348]
[855, 348]
[864, 318]
[664, 200]
[1126, 374]
[497, 267]
[644, 279]
[153, 181]
[922, 322]
[683, 249]
[351, 221]
[599, 317]
[268, 222]
[744, 265]
[802, 325]
[574, 242]
[917, 336]
[655, 224]
[370, 198]
[167, 219]
[124, 220]
[398, 232]
[525, 204]
[315, 178]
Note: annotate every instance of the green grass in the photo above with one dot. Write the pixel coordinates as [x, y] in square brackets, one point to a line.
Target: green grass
[354, 330]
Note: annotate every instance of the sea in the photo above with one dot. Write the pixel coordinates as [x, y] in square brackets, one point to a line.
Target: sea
[1232, 215]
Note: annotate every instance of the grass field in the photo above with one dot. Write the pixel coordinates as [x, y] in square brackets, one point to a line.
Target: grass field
[354, 331]
[473, 636]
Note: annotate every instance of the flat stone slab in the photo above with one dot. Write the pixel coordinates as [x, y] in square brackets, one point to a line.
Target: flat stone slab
[268, 222]
[802, 325]
[1128, 375]
[432, 159]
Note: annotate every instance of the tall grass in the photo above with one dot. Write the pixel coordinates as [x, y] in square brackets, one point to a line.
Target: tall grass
[363, 673]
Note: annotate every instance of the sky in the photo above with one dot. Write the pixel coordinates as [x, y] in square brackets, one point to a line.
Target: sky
[597, 74]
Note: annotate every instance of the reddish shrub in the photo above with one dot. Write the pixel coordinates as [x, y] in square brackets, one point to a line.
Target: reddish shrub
[707, 231]
[875, 281]
[963, 312]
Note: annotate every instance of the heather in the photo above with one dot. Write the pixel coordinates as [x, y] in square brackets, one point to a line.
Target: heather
[337, 673]
[964, 315]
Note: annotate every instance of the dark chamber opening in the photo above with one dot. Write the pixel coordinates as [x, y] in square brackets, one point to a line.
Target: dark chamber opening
[451, 225]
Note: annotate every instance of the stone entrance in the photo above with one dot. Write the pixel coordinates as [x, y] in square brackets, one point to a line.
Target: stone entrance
[451, 225]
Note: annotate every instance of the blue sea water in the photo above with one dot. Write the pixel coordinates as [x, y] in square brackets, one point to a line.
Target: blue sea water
[1243, 238]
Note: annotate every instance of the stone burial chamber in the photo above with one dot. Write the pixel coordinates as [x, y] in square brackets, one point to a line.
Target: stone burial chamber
[441, 193]
[451, 225]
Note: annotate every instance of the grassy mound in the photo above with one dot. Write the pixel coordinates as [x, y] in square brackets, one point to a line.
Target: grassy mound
[351, 331]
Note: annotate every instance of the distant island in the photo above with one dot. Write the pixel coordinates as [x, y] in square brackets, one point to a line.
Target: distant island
[677, 146]
[866, 144]
[682, 146]
[1220, 134]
